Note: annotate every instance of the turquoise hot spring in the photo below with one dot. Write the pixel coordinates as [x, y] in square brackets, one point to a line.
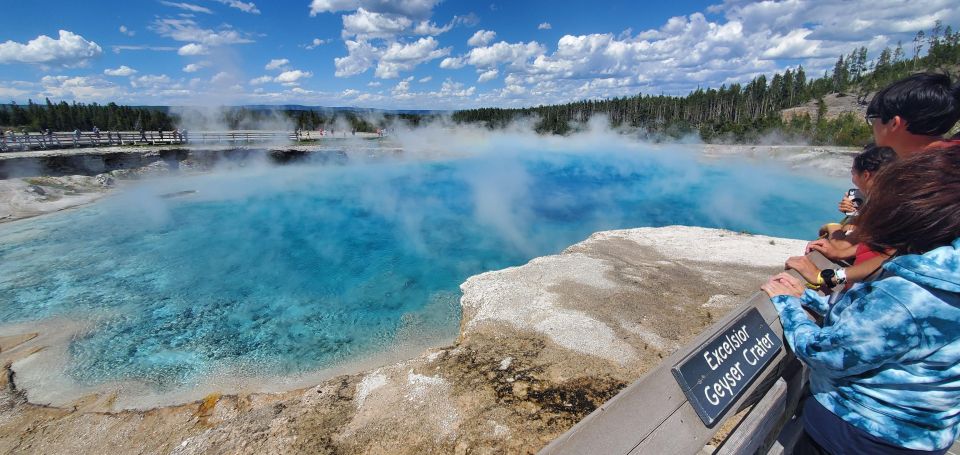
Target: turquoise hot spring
[280, 271]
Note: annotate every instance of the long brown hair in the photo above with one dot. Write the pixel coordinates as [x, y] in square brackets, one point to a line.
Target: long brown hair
[915, 204]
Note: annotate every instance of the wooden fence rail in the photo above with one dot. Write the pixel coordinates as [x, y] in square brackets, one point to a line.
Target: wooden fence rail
[61, 140]
[654, 416]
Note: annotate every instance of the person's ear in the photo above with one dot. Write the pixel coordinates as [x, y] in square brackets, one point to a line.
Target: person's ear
[897, 123]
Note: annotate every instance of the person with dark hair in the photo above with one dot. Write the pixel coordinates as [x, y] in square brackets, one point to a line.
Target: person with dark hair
[885, 365]
[865, 167]
[836, 244]
[914, 113]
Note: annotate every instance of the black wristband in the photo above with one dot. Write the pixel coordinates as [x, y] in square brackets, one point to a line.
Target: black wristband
[829, 277]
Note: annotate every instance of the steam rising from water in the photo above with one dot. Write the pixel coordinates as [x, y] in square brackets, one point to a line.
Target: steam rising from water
[283, 271]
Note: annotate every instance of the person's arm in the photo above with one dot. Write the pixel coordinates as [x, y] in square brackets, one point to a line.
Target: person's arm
[833, 249]
[805, 267]
[815, 303]
[871, 331]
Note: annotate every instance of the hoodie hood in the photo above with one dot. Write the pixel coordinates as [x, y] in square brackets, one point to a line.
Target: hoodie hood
[938, 268]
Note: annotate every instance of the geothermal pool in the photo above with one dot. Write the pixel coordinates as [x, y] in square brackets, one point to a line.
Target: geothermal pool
[289, 270]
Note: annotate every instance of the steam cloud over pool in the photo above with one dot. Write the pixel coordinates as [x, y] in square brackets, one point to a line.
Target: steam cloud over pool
[288, 270]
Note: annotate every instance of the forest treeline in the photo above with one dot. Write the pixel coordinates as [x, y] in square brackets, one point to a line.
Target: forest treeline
[745, 112]
[112, 117]
[67, 117]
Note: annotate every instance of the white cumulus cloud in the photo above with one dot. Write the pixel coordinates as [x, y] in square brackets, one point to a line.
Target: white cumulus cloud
[365, 24]
[481, 38]
[514, 54]
[69, 49]
[261, 80]
[127, 31]
[409, 8]
[123, 70]
[80, 88]
[360, 57]
[404, 57]
[317, 42]
[193, 49]
[488, 75]
[429, 28]
[194, 67]
[292, 76]
[544, 26]
[452, 63]
[277, 63]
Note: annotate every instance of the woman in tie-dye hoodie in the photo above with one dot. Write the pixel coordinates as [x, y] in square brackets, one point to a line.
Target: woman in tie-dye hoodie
[885, 365]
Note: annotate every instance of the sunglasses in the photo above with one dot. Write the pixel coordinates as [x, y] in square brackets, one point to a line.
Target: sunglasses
[869, 119]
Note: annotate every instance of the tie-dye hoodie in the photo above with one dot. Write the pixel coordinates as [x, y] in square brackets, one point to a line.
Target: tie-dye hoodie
[887, 359]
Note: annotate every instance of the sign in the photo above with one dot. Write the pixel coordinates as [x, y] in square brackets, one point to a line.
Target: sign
[717, 373]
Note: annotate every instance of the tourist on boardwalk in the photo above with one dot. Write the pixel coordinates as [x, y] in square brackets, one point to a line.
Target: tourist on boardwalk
[160, 132]
[42, 139]
[885, 365]
[913, 114]
[76, 137]
[183, 136]
[865, 167]
[143, 134]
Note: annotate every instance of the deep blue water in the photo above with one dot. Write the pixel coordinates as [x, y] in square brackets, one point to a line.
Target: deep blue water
[292, 269]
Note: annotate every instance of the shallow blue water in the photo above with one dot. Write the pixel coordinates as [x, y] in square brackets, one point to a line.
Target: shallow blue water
[292, 269]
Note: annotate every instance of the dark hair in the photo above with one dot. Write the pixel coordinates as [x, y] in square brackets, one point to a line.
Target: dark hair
[926, 101]
[872, 158]
[916, 204]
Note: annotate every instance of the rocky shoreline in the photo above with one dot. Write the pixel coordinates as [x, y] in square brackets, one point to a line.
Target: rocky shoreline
[541, 345]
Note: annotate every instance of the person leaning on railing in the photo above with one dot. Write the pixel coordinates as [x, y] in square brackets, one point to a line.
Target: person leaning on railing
[865, 167]
[885, 365]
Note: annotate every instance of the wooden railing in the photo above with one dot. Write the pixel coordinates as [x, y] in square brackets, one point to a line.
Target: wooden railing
[654, 416]
[64, 140]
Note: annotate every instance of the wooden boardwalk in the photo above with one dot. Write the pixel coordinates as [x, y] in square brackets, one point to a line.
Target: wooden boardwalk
[16, 142]
[955, 450]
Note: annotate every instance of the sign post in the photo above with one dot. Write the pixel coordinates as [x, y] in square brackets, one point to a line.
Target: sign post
[715, 375]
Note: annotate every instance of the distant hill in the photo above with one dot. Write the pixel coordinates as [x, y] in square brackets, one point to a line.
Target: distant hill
[837, 105]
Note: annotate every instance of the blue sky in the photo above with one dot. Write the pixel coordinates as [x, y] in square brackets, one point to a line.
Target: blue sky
[426, 54]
